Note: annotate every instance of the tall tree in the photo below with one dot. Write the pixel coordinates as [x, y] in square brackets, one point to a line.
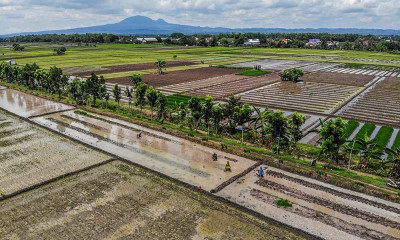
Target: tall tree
[136, 78]
[140, 94]
[217, 116]
[117, 93]
[333, 137]
[278, 126]
[160, 66]
[152, 95]
[196, 108]
[207, 107]
[94, 84]
[162, 107]
[128, 94]
[243, 116]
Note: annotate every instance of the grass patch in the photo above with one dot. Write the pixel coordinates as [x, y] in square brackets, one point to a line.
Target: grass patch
[351, 126]
[383, 136]
[80, 112]
[254, 73]
[177, 99]
[396, 141]
[283, 203]
[368, 128]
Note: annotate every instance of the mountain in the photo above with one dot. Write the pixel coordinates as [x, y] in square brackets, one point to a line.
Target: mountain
[140, 25]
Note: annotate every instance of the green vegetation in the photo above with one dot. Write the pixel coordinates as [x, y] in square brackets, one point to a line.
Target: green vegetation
[383, 136]
[254, 72]
[396, 143]
[351, 126]
[292, 74]
[283, 203]
[176, 99]
[367, 129]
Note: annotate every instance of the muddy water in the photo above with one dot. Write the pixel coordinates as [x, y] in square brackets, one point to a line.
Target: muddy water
[175, 157]
[311, 198]
[30, 155]
[26, 105]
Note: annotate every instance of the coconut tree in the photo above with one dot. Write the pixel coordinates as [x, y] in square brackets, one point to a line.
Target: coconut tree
[394, 159]
[242, 116]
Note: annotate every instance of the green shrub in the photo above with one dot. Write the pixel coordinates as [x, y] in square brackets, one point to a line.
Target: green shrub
[246, 151]
[80, 112]
[205, 139]
[359, 184]
[283, 203]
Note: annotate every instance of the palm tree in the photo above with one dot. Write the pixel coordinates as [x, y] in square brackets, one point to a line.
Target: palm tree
[160, 65]
[395, 160]
[368, 149]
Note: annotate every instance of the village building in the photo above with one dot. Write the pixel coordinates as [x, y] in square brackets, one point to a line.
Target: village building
[252, 42]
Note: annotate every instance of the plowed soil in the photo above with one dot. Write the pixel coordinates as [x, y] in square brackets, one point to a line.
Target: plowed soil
[130, 67]
[338, 78]
[158, 80]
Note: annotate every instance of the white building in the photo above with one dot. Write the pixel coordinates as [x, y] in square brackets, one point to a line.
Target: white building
[252, 42]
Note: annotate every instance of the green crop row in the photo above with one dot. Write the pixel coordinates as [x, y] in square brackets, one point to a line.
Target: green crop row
[383, 136]
[351, 126]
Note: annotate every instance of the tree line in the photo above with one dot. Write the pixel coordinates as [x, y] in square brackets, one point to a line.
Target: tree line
[267, 40]
[270, 129]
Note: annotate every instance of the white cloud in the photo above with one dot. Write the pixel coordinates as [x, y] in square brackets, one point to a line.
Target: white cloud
[36, 15]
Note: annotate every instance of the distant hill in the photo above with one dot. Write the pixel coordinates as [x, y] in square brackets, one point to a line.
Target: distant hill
[140, 25]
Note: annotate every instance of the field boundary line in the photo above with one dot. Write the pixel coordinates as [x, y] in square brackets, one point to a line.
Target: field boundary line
[234, 178]
[38, 185]
[49, 113]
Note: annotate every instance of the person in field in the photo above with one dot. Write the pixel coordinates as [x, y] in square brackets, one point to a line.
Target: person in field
[228, 167]
[260, 172]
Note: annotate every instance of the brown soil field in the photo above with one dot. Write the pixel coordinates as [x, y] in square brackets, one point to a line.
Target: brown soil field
[129, 67]
[223, 90]
[338, 78]
[175, 77]
[119, 201]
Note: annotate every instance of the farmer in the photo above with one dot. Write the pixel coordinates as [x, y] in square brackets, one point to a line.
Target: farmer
[139, 135]
[228, 167]
[215, 157]
[260, 172]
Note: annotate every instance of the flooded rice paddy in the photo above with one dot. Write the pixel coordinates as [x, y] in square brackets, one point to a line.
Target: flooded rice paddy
[318, 208]
[25, 105]
[117, 200]
[120, 201]
[30, 155]
[175, 157]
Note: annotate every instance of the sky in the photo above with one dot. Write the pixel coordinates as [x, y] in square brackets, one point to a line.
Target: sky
[34, 15]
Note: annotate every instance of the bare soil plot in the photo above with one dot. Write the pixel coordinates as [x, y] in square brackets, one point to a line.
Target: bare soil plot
[175, 157]
[322, 209]
[199, 84]
[2, 88]
[30, 155]
[301, 96]
[175, 77]
[130, 67]
[223, 90]
[119, 201]
[26, 105]
[380, 104]
[286, 64]
[338, 78]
